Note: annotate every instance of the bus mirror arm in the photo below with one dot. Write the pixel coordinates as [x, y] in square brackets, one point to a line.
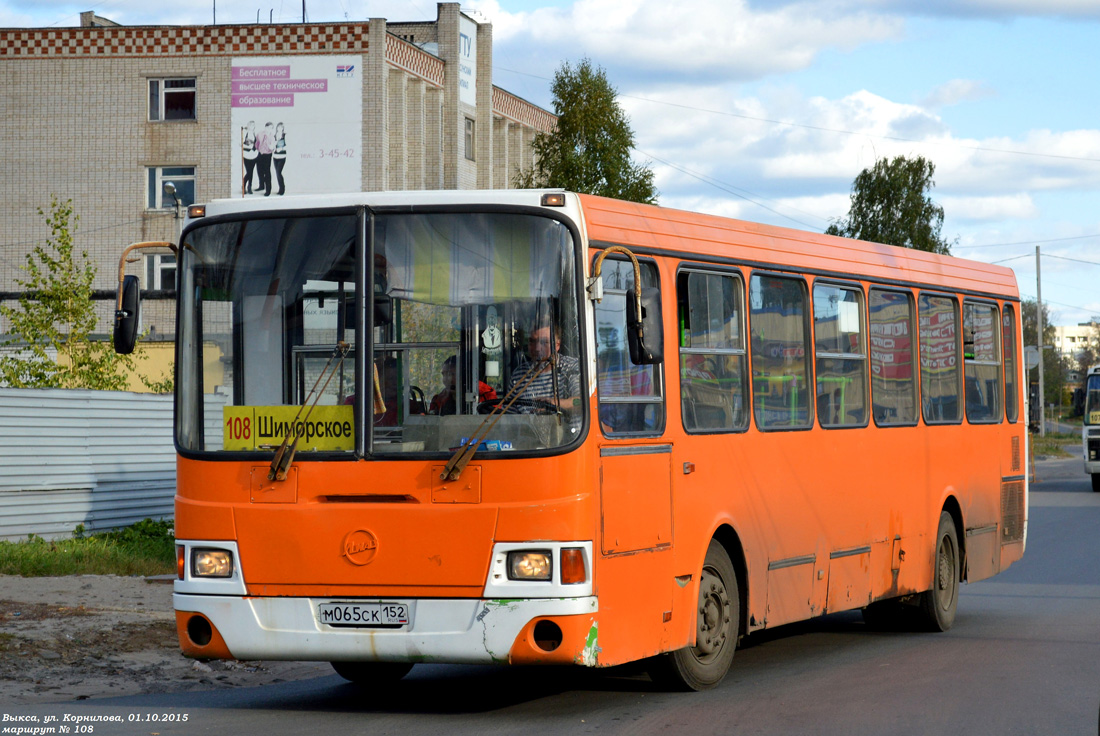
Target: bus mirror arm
[645, 331]
[128, 301]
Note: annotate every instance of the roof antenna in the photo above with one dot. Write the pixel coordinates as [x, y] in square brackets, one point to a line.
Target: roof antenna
[303, 11]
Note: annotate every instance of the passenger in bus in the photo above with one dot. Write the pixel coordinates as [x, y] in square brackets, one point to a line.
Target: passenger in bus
[444, 402]
[564, 370]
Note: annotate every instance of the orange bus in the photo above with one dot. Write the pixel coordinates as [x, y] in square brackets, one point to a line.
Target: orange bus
[540, 427]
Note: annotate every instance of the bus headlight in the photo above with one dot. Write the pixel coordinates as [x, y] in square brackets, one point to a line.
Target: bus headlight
[530, 565]
[211, 563]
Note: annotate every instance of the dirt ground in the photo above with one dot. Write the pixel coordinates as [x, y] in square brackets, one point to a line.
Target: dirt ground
[95, 636]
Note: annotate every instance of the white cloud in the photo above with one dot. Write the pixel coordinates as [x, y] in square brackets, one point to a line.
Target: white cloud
[724, 39]
[994, 8]
[956, 91]
[989, 208]
[728, 154]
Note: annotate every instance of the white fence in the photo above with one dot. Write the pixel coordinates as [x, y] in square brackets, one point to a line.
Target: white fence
[103, 459]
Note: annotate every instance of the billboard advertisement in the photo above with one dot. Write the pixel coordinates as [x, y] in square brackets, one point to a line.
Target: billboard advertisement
[467, 61]
[297, 125]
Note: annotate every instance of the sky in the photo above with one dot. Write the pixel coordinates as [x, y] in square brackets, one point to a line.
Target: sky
[766, 110]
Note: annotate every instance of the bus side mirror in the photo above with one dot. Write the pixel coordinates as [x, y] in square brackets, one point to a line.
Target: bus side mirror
[383, 311]
[646, 348]
[126, 316]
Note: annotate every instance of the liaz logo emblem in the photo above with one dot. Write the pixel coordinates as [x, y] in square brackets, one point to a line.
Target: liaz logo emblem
[360, 546]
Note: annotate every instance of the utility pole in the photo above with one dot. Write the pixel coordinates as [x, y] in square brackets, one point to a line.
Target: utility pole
[1039, 340]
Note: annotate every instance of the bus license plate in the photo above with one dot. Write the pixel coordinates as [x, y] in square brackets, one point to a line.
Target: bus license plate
[360, 614]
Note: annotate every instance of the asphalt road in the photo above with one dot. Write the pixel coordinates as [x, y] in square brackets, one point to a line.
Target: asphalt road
[1022, 658]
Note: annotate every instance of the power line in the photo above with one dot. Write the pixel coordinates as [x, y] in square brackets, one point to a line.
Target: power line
[729, 189]
[1013, 258]
[1067, 258]
[1027, 242]
[77, 233]
[842, 131]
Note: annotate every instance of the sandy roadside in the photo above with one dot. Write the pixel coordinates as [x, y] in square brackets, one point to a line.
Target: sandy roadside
[94, 636]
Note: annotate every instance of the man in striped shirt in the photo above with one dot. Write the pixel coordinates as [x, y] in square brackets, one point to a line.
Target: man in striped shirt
[562, 370]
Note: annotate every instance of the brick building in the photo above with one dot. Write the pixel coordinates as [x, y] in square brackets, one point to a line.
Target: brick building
[106, 114]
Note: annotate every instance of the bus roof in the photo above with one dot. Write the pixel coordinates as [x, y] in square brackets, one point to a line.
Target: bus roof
[708, 237]
[300, 202]
[711, 237]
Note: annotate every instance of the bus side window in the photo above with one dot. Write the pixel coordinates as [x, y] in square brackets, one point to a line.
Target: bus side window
[713, 375]
[939, 359]
[982, 362]
[630, 396]
[893, 381]
[780, 352]
[1008, 342]
[840, 356]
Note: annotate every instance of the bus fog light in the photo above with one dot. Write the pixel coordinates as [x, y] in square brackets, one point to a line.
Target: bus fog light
[211, 563]
[530, 565]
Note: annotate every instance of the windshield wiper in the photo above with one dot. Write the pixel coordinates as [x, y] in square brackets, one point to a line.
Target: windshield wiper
[284, 456]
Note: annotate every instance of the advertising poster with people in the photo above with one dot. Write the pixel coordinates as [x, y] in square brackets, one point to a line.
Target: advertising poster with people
[297, 125]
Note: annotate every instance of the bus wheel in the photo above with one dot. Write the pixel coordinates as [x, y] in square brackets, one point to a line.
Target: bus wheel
[939, 604]
[372, 673]
[703, 666]
[1095, 482]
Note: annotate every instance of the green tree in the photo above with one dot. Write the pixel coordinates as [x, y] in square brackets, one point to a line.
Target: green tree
[56, 317]
[589, 150]
[1054, 366]
[890, 205]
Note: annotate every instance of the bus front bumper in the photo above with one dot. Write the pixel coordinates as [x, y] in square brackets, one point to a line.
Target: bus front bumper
[474, 631]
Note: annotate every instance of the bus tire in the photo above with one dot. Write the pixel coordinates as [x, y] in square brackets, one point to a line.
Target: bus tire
[938, 605]
[718, 623]
[372, 673]
[1095, 482]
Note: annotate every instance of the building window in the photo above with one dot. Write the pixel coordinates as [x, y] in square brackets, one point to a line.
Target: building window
[172, 99]
[182, 177]
[469, 139]
[160, 271]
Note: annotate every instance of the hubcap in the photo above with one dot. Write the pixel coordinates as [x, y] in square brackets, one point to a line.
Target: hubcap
[945, 573]
[714, 616]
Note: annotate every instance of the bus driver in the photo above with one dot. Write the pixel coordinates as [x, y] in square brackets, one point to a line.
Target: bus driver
[564, 370]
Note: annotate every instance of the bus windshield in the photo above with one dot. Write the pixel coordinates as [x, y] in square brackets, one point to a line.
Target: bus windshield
[1092, 399]
[470, 311]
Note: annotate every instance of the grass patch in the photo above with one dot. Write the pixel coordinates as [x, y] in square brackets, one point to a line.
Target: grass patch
[1054, 444]
[146, 548]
